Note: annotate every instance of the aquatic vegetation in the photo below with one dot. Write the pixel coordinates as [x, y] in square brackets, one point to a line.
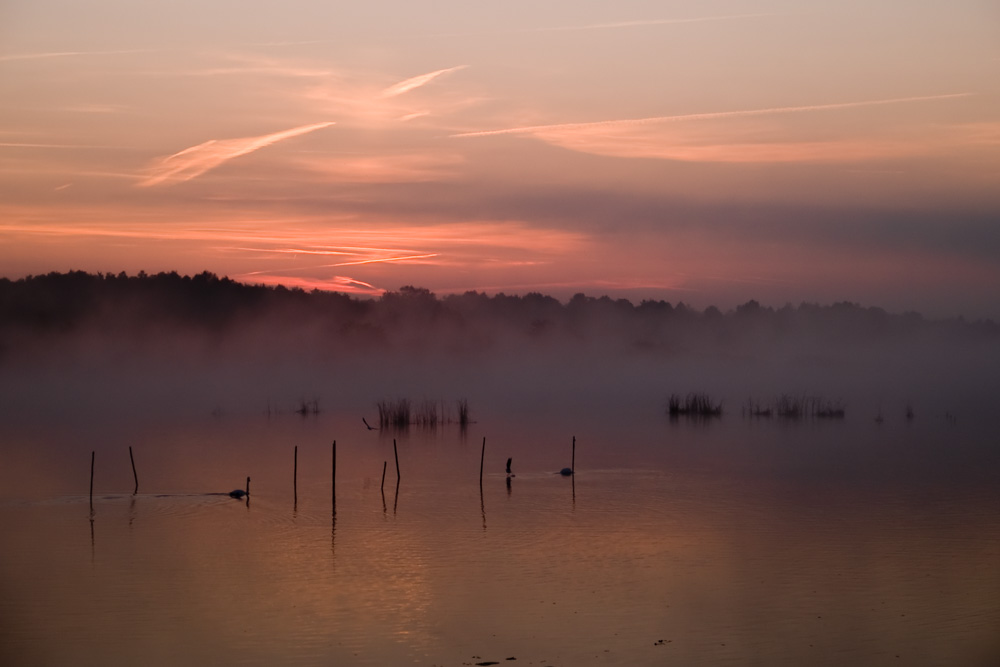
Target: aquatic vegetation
[787, 406]
[753, 408]
[402, 413]
[308, 407]
[694, 404]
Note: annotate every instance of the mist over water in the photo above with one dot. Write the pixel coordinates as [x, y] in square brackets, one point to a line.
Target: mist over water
[733, 539]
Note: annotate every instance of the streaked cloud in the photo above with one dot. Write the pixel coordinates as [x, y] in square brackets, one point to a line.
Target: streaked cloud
[649, 22]
[726, 136]
[415, 82]
[66, 54]
[195, 161]
[535, 129]
[399, 168]
[343, 284]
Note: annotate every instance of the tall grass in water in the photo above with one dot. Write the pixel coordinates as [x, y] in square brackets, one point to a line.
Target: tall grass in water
[694, 404]
[753, 408]
[401, 413]
[797, 407]
[394, 414]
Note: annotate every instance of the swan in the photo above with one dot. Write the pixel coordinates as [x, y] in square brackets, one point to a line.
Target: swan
[239, 493]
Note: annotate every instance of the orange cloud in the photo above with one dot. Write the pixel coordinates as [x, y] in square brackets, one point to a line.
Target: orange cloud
[402, 168]
[415, 82]
[721, 136]
[195, 161]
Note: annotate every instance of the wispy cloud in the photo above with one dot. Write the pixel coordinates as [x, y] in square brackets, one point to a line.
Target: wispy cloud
[67, 54]
[415, 82]
[737, 141]
[196, 160]
[22, 144]
[344, 284]
[535, 129]
[648, 22]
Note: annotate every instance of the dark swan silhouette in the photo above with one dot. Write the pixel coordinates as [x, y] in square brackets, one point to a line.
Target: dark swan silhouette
[240, 493]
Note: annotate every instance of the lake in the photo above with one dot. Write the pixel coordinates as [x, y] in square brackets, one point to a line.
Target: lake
[722, 541]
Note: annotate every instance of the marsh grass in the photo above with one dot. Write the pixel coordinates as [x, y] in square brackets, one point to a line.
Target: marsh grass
[394, 414]
[693, 405]
[753, 408]
[788, 406]
[306, 407]
[462, 406]
[402, 413]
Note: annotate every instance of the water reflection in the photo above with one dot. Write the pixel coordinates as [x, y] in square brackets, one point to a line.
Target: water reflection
[767, 545]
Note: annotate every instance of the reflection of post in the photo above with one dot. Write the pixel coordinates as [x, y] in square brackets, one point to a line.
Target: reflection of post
[136, 476]
[396, 454]
[482, 458]
[333, 504]
[395, 500]
[92, 481]
[482, 505]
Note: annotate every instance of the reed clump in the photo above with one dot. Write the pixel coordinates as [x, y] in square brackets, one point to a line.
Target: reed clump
[394, 414]
[402, 413]
[788, 406]
[754, 408]
[306, 407]
[693, 404]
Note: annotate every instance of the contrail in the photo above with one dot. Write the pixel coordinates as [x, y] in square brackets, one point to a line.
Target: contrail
[534, 129]
[647, 22]
[407, 85]
[196, 160]
[66, 54]
[379, 260]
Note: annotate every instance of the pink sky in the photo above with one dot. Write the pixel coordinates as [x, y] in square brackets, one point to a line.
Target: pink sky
[712, 153]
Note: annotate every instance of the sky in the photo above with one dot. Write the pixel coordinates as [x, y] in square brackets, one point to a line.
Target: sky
[710, 152]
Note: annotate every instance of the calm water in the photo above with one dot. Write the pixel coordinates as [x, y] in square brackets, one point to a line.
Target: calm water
[727, 542]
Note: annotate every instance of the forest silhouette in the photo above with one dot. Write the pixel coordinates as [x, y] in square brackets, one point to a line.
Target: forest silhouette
[45, 307]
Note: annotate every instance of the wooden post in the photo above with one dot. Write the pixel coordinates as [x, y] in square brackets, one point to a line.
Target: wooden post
[136, 476]
[482, 458]
[572, 465]
[333, 473]
[91, 481]
[396, 454]
[295, 475]
[384, 464]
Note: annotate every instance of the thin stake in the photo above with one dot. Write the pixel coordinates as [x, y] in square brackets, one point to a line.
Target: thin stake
[572, 465]
[384, 464]
[482, 458]
[132, 459]
[295, 475]
[333, 473]
[91, 481]
[396, 454]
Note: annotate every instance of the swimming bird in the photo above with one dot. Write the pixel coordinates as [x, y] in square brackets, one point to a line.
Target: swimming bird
[239, 493]
[566, 472]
